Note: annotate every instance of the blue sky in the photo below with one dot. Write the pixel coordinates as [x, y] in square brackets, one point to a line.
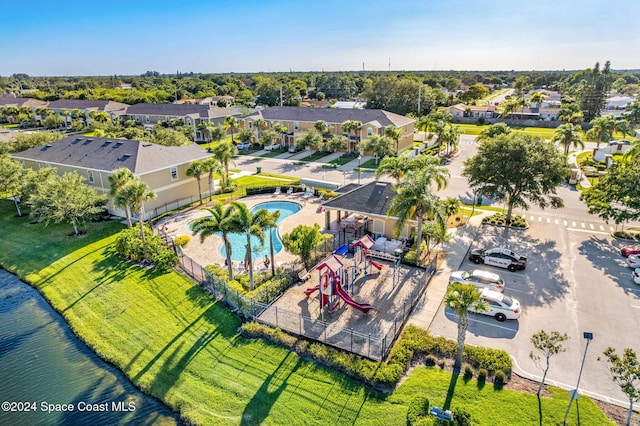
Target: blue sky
[131, 37]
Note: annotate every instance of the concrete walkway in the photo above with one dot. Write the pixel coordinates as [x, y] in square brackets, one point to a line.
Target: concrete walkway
[457, 248]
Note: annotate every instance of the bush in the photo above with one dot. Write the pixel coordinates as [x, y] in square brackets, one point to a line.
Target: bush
[468, 371]
[182, 241]
[431, 360]
[501, 219]
[461, 417]
[500, 378]
[482, 375]
[129, 245]
[418, 409]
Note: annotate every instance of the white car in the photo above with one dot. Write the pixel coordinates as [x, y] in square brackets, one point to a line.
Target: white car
[243, 145]
[636, 276]
[272, 147]
[478, 278]
[501, 306]
[633, 261]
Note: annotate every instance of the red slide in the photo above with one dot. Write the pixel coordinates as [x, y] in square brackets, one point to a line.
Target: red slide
[364, 307]
[376, 265]
[310, 291]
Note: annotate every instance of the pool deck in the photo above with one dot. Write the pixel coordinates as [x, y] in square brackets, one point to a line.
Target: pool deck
[207, 252]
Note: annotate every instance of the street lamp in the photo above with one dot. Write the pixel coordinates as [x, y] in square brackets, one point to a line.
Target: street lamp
[359, 158]
[574, 393]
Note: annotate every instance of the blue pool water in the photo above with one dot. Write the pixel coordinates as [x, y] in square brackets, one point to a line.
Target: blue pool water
[239, 241]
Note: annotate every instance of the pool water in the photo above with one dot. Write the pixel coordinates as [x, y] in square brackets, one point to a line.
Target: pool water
[239, 241]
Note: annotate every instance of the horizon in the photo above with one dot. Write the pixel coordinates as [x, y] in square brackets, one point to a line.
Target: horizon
[215, 37]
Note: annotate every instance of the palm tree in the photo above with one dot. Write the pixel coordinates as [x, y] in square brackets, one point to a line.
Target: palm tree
[118, 179]
[602, 130]
[423, 125]
[349, 126]
[449, 206]
[633, 152]
[270, 222]
[195, 169]
[205, 127]
[567, 135]
[462, 297]
[492, 131]
[450, 137]
[280, 128]
[135, 193]
[537, 99]
[224, 152]
[393, 133]
[398, 166]
[230, 123]
[260, 124]
[250, 224]
[211, 166]
[220, 220]
[416, 199]
[322, 127]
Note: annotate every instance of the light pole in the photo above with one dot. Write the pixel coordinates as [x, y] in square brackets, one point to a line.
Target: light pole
[359, 158]
[574, 393]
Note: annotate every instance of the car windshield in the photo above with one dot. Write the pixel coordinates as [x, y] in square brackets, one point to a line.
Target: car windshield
[507, 300]
[465, 275]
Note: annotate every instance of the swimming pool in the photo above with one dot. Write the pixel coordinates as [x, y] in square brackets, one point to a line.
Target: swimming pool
[239, 241]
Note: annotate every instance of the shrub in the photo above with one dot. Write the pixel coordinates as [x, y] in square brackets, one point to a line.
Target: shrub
[418, 409]
[431, 360]
[129, 245]
[468, 371]
[461, 417]
[182, 241]
[482, 375]
[481, 120]
[500, 378]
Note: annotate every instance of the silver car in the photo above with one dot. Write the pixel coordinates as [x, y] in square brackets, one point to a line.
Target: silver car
[478, 278]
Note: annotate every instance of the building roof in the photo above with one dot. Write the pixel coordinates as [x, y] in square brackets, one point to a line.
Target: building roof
[107, 154]
[483, 108]
[96, 105]
[180, 110]
[12, 101]
[332, 115]
[371, 199]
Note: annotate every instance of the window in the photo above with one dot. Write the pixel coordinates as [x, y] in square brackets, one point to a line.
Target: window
[174, 173]
[146, 118]
[90, 176]
[296, 125]
[369, 132]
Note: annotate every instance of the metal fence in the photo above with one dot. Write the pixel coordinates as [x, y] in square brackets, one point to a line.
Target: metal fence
[373, 346]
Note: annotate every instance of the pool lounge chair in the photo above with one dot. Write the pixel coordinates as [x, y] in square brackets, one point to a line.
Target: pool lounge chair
[320, 198]
[290, 191]
[277, 191]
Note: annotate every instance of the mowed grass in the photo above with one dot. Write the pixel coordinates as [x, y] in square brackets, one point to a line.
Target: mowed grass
[178, 344]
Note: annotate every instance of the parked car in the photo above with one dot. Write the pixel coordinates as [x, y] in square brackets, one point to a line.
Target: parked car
[294, 148]
[633, 261]
[272, 147]
[501, 306]
[242, 145]
[500, 257]
[478, 278]
[630, 249]
[636, 276]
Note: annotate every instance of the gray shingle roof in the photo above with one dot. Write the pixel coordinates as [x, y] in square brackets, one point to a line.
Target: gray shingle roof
[108, 154]
[97, 105]
[334, 115]
[373, 198]
[180, 110]
[21, 102]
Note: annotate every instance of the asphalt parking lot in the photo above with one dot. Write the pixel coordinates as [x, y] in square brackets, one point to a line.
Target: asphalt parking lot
[575, 281]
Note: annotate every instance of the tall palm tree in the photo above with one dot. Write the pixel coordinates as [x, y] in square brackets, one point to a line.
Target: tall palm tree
[118, 179]
[195, 170]
[462, 297]
[211, 166]
[281, 129]
[602, 130]
[537, 99]
[450, 137]
[567, 135]
[398, 166]
[220, 220]
[423, 125]
[224, 152]
[134, 194]
[416, 199]
[205, 127]
[449, 206]
[351, 126]
[230, 123]
[492, 131]
[249, 224]
[393, 133]
[270, 222]
[260, 124]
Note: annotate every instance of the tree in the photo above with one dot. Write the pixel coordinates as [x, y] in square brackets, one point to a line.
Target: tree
[625, 372]
[566, 136]
[476, 91]
[592, 90]
[302, 240]
[224, 152]
[118, 179]
[23, 141]
[195, 170]
[433, 233]
[100, 116]
[633, 152]
[230, 123]
[68, 199]
[537, 99]
[135, 194]
[461, 298]
[216, 133]
[616, 195]
[380, 145]
[336, 143]
[450, 137]
[270, 222]
[548, 345]
[211, 166]
[322, 127]
[518, 169]
[309, 138]
[602, 129]
[398, 166]
[394, 134]
[12, 179]
[249, 224]
[52, 121]
[416, 199]
[268, 137]
[351, 126]
[423, 125]
[492, 131]
[169, 137]
[245, 135]
[261, 125]
[449, 206]
[220, 221]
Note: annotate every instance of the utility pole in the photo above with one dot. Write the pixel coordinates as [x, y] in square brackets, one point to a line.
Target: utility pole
[280, 95]
[419, 93]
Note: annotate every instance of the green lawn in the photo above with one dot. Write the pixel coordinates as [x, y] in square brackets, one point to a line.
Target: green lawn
[370, 164]
[180, 345]
[344, 158]
[317, 155]
[274, 153]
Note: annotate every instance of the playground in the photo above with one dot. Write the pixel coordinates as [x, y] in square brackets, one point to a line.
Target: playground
[355, 299]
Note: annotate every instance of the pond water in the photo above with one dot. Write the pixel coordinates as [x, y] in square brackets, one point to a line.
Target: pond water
[42, 362]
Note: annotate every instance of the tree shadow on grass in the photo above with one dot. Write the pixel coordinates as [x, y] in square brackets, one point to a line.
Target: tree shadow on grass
[451, 390]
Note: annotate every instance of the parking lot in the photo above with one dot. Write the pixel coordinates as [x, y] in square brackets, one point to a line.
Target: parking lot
[575, 281]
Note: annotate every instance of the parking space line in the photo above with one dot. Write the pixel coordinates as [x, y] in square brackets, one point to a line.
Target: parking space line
[591, 226]
[490, 324]
[548, 220]
[587, 230]
[539, 218]
[573, 224]
[582, 224]
[611, 228]
[601, 228]
[565, 223]
[532, 217]
[557, 221]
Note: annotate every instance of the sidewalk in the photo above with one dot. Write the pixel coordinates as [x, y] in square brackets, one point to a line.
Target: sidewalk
[461, 239]
[572, 161]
